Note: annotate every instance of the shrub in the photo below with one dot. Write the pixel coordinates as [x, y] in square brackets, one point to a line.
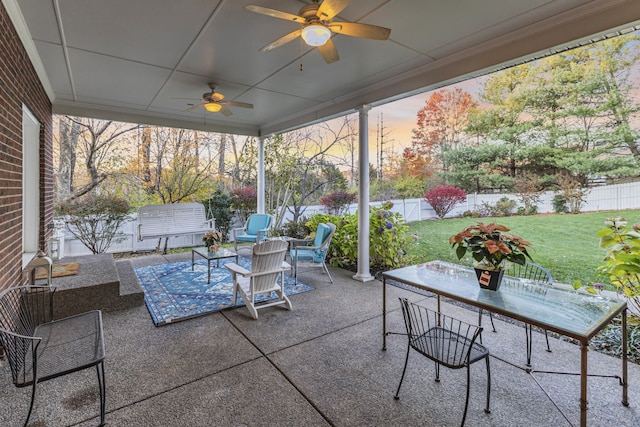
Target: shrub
[444, 198]
[389, 238]
[219, 206]
[622, 259]
[559, 204]
[244, 202]
[527, 190]
[572, 193]
[95, 219]
[523, 210]
[503, 207]
[295, 229]
[471, 214]
[338, 201]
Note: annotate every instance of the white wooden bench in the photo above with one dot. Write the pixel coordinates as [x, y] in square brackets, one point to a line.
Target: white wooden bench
[172, 220]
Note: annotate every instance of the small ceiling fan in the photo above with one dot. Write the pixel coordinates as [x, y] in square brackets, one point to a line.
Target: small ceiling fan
[317, 26]
[213, 102]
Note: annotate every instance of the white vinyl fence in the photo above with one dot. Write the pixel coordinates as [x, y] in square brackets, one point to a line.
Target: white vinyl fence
[611, 197]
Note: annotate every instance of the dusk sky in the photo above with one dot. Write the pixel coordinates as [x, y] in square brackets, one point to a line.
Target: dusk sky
[400, 117]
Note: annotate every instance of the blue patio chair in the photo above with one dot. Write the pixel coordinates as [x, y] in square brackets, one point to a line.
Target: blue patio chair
[313, 256]
[254, 230]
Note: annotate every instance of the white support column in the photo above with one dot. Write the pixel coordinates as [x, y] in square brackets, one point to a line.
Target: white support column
[363, 273]
[260, 180]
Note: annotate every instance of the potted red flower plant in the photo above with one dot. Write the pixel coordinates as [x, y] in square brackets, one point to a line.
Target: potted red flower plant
[490, 246]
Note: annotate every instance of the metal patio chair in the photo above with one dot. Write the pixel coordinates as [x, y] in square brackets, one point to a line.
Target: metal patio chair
[534, 273]
[266, 276]
[315, 253]
[254, 231]
[40, 349]
[445, 340]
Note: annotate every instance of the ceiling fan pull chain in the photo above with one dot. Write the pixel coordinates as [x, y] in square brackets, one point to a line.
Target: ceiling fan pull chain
[301, 66]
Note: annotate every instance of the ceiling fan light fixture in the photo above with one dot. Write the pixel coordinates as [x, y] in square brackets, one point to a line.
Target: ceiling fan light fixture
[212, 107]
[316, 35]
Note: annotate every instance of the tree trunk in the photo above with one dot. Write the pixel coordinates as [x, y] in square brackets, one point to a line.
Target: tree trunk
[68, 139]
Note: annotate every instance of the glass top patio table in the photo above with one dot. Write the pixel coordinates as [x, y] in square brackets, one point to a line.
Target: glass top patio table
[221, 253]
[575, 314]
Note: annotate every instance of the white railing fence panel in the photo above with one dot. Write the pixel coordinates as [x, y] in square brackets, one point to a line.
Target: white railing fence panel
[610, 197]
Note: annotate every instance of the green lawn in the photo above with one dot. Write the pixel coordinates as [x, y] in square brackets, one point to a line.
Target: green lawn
[567, 245]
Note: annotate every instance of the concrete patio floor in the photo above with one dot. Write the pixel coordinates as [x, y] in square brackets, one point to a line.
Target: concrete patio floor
[320, 364]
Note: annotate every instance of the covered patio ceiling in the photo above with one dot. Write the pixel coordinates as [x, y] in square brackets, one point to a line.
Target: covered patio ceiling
[130, 60]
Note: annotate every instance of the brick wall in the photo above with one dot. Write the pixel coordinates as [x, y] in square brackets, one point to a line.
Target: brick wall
[19, 84]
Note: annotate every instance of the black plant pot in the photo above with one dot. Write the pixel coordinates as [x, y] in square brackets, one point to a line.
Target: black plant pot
[489, 279]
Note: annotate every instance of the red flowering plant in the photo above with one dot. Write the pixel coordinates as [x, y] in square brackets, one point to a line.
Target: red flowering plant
[490, 246]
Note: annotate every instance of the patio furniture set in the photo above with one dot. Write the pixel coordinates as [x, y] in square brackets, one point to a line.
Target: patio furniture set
[40, 348]
[570, 313]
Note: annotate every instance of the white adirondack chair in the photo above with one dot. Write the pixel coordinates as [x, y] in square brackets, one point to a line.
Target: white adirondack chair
[266, 277]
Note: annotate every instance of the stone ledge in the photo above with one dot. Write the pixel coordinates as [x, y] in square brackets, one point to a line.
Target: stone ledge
[97, 286]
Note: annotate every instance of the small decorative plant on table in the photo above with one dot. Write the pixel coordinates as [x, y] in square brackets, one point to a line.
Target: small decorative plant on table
[490, 247]
[212, 240]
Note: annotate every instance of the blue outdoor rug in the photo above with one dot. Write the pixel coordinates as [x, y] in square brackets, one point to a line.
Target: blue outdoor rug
[173, 292]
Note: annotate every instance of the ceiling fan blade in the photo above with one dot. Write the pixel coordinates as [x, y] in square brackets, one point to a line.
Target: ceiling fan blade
[275, 13]
[282, 40]
[224, 110]
[366, 31]
[195, 107]
[329, 52]
[330, 8]
[236, 104]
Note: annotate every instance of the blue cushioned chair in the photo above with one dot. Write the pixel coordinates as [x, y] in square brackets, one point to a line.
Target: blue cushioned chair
[254, 231]
[313, 256]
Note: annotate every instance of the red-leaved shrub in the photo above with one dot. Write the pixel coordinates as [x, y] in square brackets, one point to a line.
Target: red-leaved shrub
[443, 198]
[338, 201]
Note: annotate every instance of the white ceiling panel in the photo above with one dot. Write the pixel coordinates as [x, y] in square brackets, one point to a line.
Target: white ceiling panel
[154, 33]
[100, 77]
[53, 58]
[129, 59]
[42, 20]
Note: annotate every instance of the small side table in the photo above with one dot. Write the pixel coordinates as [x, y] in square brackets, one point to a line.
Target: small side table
[210, 256]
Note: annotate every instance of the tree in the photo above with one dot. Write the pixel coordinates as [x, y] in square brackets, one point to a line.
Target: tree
[508, 93]
[300, 165]
[68, 133]
[98, 143]
[175, 166]
[219, 208]
[477, 169]
[615, 57]
[440, 127]
[244, 202]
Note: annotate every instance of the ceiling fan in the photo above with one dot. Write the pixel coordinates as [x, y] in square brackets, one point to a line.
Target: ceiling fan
[317, 24]
[213, 102]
